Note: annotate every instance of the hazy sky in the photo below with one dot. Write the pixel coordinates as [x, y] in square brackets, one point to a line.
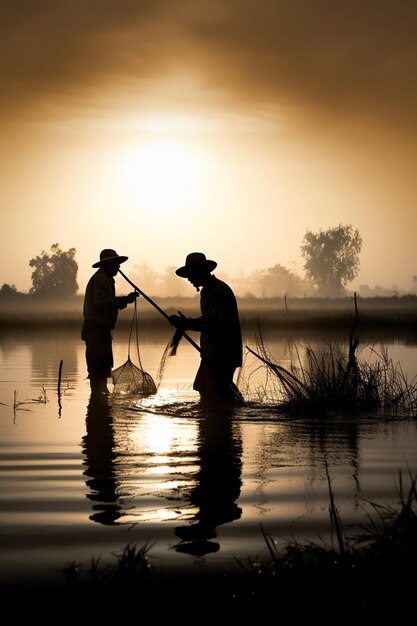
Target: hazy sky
[231, 127]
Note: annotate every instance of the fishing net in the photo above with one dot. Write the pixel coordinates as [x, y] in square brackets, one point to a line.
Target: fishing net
[170, 350]
[130, 379]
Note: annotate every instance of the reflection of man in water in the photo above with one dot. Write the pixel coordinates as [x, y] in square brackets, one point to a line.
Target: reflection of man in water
[218, 484]
[98, 446]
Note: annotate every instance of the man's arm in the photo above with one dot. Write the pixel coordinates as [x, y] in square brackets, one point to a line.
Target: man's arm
[123, 301]
[187, 323]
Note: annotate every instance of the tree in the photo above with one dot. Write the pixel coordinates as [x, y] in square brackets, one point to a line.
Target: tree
[8, 291]
[275, 282]
[56, 273]
[332, 258]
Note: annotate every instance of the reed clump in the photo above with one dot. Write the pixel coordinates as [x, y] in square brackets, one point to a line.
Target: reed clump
[18, 404]
[336, 380]
[131, 567]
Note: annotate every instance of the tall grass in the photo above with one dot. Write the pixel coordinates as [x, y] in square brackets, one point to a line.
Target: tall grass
[131, 567]
[372, 573]
[335, 379]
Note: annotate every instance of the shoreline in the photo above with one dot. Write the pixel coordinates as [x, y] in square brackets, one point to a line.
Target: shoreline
[397, 324]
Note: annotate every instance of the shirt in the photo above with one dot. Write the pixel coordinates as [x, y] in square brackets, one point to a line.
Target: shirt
[100, 302]
[219, 324]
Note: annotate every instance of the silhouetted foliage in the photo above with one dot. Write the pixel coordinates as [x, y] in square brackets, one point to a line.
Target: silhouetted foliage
[277, 281]
[55, 273]
[371, 292]
[272, 282]
[8, 291]
[332, 258]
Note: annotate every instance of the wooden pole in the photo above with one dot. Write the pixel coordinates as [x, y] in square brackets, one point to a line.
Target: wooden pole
[158, 308]
[59, 377]
[59, 386]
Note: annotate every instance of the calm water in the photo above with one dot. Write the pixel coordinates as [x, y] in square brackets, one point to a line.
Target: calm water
[82, 479]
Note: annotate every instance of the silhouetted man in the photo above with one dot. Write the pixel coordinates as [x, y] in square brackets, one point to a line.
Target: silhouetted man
[101, 308]
[219, 325]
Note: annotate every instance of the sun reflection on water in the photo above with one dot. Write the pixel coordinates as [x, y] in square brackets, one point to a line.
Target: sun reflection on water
[155, 459]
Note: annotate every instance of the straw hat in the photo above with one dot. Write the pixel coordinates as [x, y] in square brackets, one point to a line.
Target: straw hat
[195, 261]
[109, 255]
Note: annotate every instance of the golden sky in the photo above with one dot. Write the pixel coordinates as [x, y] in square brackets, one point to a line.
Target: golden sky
[231, 127]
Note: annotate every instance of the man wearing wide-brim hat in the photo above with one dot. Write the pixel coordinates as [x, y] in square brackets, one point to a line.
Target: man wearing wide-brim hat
[101, 308]
[220, 332]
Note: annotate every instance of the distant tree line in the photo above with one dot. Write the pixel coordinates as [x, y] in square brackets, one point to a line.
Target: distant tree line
[54, 275]
[331, 262]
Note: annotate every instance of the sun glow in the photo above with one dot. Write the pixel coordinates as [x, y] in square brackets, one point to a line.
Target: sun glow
[161, 176]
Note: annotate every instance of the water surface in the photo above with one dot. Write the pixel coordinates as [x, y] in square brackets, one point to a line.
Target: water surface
[82, 478]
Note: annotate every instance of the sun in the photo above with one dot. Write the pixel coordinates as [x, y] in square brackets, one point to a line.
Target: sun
[161, 176]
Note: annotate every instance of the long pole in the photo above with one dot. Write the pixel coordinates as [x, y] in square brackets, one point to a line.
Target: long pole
[158, 308]
[232, 387]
